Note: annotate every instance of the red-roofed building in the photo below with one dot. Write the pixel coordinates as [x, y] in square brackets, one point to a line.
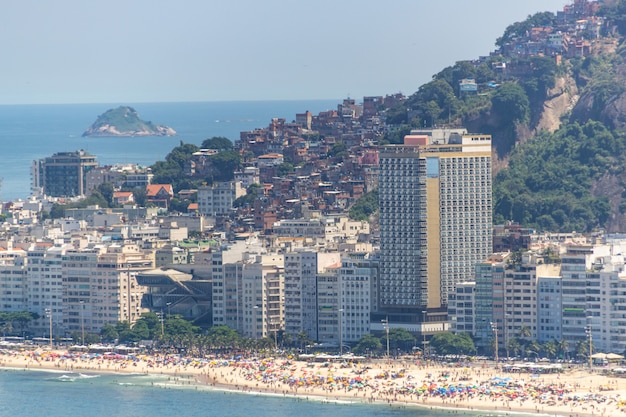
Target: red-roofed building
[123, 197]
[192, 208]
[159, 194]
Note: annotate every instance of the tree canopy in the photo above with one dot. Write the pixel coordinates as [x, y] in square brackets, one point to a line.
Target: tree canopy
[548, 182]
[365, 206]
[217, 142]
[453, 344]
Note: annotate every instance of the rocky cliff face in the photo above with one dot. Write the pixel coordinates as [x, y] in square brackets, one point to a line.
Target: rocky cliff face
[561, 100]
[112, 130]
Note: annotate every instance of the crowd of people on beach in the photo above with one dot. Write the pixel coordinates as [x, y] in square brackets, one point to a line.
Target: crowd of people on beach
[407, 381]
[452, 385]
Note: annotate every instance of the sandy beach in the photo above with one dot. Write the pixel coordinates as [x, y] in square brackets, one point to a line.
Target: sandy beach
[402, 382]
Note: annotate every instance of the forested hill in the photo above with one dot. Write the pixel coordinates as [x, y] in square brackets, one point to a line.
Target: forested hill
[557, 117]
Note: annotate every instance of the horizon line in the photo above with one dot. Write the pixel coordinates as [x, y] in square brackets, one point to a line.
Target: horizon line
[171, 102]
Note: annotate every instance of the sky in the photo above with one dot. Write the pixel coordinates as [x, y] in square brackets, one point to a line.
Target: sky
[77, 51]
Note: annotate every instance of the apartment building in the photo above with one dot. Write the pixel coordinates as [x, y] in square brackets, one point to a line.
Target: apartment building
[330, 314]
[435, 220]
[100, 286]
[13, 279]
[302, 268]
[462, 308]
[262, 288]
[358, 284]
[63, 174]
[44, 284]
[549, 311]
[217, 199]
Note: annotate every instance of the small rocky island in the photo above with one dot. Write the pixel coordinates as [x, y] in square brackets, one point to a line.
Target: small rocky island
[124, 121]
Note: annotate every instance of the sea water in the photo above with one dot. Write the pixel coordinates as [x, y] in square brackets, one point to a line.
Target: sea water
[60, 394]
[31, 132]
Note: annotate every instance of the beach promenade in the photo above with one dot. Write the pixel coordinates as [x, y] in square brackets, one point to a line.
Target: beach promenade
[402, 382]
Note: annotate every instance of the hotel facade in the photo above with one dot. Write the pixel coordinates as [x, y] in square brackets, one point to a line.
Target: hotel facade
[435, 223]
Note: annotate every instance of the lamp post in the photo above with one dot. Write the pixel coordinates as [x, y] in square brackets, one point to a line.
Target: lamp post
[271, 323]
[82, 322]
[506, 334]
[130, 320]
[169, 312]
[588, 331]
[340, 331]
[256, 311]
[49, 316]
[162, 325]
[275, 337]
[424, 333]
[386, 326]
[494, 329]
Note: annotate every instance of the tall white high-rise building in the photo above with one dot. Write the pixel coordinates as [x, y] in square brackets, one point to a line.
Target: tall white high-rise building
[435, 220]
[302, 306]
[45, 286]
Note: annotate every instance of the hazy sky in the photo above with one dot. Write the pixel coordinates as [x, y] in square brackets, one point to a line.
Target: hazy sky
[78, 51]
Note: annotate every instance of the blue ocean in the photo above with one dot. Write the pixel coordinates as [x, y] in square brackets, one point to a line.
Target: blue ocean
[30, 132]
[59, 394]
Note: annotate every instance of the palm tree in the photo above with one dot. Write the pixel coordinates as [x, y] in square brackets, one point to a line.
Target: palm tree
[7, 328]
[514, 346]
[303, 339]
[563, 348]
[549, 348]
[532, 347]
[524, 332]
[285, 338]
[582, 349]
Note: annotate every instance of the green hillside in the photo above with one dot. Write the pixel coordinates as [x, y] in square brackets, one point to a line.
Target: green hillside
[561, 176]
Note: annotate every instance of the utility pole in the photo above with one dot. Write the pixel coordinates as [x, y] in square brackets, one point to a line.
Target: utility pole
[162, 325]
[424, 334]
[82, 322]
[49, 315]
[386, 326]
[340, 331]
[494, 328]
[588, 331]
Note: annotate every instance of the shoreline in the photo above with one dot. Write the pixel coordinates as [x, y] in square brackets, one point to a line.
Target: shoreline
[471, 388]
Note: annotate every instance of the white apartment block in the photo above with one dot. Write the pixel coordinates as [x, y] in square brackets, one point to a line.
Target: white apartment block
[218, 289]
[574, 266]
[100, 286]
[45, 286]
[217, 199]
[313, 228]
[262, 292]
[301, 302]
[358, 281]
[520, 301]
[330, 311]
[247, 177]
[13, 279]
[549, 312]
[325, 231]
